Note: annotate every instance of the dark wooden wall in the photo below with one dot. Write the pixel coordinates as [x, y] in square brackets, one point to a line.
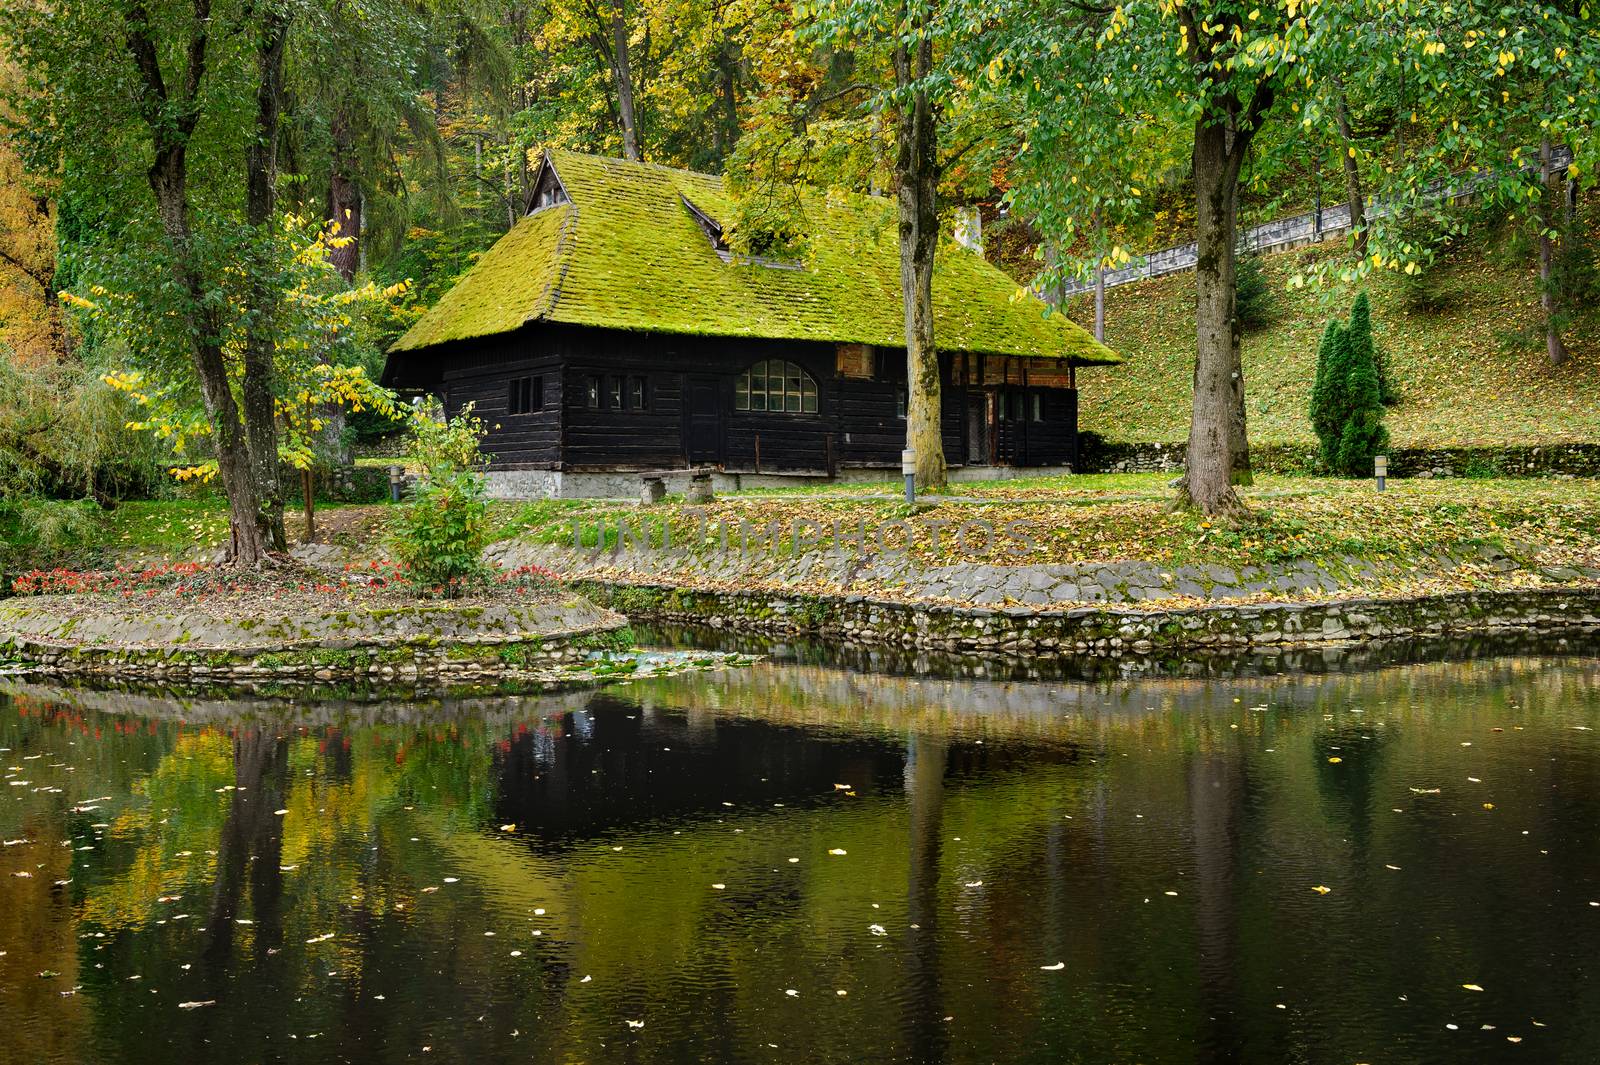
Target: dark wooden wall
[857, 423]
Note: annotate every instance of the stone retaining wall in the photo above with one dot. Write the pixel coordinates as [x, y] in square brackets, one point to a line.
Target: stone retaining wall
[1576, 460]
[1105, 631]
[425, 642]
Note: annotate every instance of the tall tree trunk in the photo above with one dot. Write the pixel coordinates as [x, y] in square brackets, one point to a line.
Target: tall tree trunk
[171, 120]
[1555, 347]
[1218, 444]
[261, 179]
[344, 196]
[1352, 172]
[916, 190]
[622, 67]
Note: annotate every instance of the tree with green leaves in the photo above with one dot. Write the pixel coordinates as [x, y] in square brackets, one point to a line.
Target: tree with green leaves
[861, 96]
[1211, 74]
[164, 113]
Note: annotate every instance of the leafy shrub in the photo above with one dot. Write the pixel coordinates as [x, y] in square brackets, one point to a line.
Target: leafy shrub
[1253, 299]
[441, 531]
[1346, 399]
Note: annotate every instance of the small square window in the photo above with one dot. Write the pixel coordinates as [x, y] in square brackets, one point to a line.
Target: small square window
[524, 395]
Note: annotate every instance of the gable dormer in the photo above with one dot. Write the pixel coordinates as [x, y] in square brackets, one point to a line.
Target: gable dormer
[548, 191]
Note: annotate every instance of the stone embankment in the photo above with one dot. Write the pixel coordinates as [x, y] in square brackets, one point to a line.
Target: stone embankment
[551, 641]
[1102, 609]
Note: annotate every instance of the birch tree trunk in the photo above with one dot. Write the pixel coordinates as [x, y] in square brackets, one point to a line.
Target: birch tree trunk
[916, 192]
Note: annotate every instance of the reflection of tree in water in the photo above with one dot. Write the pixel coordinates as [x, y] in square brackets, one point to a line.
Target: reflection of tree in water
[1217, 798]
[926, 1034]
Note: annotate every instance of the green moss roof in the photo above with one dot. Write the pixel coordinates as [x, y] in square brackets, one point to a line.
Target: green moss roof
[626, 253]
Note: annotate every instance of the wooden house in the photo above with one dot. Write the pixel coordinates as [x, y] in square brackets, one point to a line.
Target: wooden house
[613, 330]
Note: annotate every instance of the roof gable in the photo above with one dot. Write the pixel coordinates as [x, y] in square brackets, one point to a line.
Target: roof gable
[638, 246]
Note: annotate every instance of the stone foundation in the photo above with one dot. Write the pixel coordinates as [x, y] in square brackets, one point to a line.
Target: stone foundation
[566, 484]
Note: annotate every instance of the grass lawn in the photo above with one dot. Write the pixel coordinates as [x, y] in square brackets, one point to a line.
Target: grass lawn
[1547, 521]
[1460, 382]
[1122, 517]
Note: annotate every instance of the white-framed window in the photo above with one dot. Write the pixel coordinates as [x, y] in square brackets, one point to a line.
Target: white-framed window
[775, 385]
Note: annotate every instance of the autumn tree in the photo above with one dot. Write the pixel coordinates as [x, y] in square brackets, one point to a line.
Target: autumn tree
[31, 324]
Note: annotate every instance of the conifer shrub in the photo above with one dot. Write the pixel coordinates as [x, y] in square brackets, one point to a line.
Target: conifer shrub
[1346, 399]
[1368, 349]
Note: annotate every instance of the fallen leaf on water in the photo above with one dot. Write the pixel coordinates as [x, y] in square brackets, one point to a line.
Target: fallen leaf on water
[877, 929]
[1425, 791]
[1335, 760]
[508, 828]
[1322, 889]
[1488, 806]
[1057, 967]
[1472, 987]
[635, 1024]
[196, 1005]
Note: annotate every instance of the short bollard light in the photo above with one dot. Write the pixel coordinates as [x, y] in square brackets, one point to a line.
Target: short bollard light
[397, 478]
[908, 467]
[1380, 469]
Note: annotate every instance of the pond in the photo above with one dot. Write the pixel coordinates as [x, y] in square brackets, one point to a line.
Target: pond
[797, 862]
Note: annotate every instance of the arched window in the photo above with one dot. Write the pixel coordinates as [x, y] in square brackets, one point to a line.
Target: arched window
[776, 385]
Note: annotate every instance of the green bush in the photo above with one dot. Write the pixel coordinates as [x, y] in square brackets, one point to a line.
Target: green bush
[1253, 294]
[1346, 399]
[443, 527]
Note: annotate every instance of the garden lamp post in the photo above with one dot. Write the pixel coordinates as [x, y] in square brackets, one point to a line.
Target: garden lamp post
[1380, 469]
[908, 467]
[397, 478]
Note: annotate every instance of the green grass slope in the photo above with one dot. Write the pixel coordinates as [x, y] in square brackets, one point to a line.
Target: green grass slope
[1462, 381]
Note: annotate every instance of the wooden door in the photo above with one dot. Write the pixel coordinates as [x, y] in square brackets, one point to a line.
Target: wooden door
[980, 423]
[703, 421]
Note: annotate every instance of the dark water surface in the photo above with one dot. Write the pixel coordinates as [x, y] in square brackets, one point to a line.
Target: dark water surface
[1306, 867]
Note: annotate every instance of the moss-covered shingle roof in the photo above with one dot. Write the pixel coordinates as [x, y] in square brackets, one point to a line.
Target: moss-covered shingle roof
[626, 253]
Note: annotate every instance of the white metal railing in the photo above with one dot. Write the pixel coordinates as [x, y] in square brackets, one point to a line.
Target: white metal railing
[1312, 227]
